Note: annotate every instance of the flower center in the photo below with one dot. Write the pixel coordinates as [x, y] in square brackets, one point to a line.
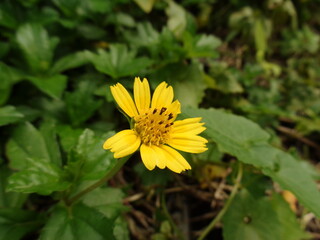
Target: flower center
[154, 125]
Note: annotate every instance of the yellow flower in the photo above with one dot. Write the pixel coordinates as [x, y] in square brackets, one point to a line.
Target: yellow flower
[154, 129]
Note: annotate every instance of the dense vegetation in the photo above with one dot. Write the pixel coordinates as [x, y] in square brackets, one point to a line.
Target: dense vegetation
[250, 69]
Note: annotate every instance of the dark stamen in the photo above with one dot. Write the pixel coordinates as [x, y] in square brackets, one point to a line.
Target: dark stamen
[163, 110]
[154, 111]
[167, 125]
[152, 121]
[160, 122]
[170, 116]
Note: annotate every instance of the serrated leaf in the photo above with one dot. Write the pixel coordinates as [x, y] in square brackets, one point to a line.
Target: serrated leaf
[51, 85]
[67, 62]
[244, 139]
[68, 136]
[118, 61]
[94, 160]
[145, 5]
[15, 223]
[36, 46]
[107, 200]
[78, 223]
[38, 176]
[201, 45]
[249, 217]
[48, 131]
[9, 114]
[177, 18]
[8, 76]
[81, 104]
[26, 142]
[9, 199]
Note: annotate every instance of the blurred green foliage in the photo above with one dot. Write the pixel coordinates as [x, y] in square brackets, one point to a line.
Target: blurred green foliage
[257, 59]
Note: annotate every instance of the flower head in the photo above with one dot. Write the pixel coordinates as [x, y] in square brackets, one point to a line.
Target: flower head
[154, 128]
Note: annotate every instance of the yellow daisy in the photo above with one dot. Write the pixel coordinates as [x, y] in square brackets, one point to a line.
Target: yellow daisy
[154, 129]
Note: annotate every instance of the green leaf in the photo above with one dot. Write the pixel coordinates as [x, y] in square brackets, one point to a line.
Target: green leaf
[145, 5]
[15, 223]
[9, 114]
[39, 176]
[36, 46]
[248, 142]
[9, 199]
[78, 223]
[67, 62]
[81, 104]
[110, 206]
[8, 76]
[68, 136]
[48, 131]
[201, 45]
[51, 85]
[118, 62]
[290, 227]
[95, 162]
[177, 18]
[26, 142]
[250, 217]
[7, 18]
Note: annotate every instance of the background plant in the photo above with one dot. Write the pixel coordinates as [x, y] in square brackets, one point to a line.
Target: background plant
[249, 68]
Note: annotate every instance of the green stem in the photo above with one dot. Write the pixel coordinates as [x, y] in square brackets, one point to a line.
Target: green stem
[97, 184]
[226, 206]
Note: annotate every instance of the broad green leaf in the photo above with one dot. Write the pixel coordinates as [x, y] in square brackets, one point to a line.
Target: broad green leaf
[201, 45]
[95, 162]
[8, 76]
[51, 85]
[39, 176]
[26, 142]
[81, 104]
[36, 46]
[4, 48]
[68, 136]
[15, 223]
[67, 62]
[9, 114]
[107, 200]
[248, 142]
[290, 227]
[177, 18]
[188, 82]
[252, 218]
[118, 61]
[80, 222]
[7, 18]
[48, 131]
[145, 5]
[9, 199]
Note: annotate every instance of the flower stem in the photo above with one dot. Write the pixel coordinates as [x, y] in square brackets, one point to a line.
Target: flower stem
[226, 206]
[110, 174]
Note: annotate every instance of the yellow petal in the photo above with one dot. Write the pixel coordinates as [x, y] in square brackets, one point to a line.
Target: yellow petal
[162, 96]
[123, 143]
[187, 121]
[148, 156]
[193, 128]
[174, 108]
[117, 137]
[124, 99]
[161, 160]
[141, 94]
[175, 161]
[188, 142]
[130, 148]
